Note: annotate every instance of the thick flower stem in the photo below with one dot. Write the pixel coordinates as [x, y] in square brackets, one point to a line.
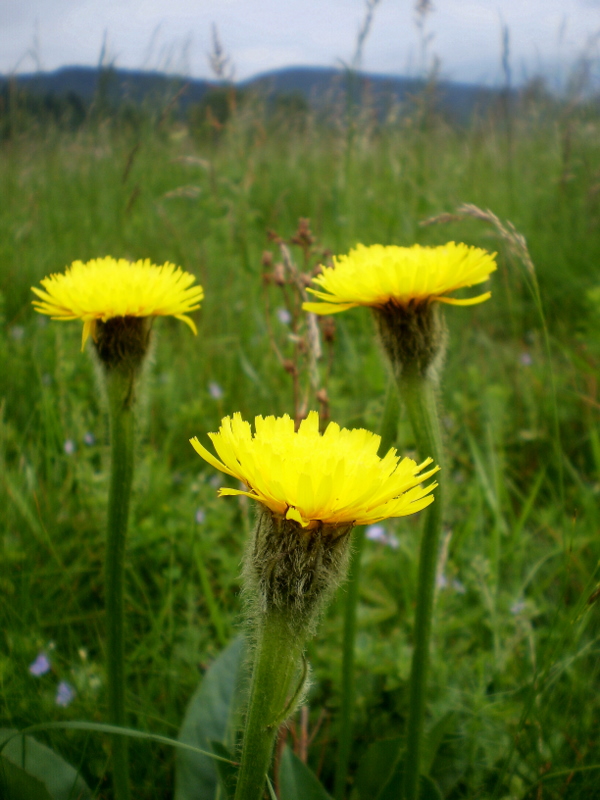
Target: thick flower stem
[419, 395]
[275, 680]
[120, 397]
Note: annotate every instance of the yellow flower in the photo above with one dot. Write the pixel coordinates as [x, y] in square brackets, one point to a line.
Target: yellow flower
[333, 478]
[378, 275]
[104, 288]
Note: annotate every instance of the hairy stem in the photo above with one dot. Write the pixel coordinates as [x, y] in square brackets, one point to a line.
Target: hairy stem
[275, 678]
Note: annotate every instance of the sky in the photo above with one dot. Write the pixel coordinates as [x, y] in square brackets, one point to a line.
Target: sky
[545, 36]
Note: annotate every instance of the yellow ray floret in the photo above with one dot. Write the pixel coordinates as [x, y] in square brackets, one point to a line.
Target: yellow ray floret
[335, 478]
[104, 288]
[377, 275]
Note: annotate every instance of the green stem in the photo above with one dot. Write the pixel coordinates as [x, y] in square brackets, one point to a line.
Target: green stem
[348, 682]
[276, 656]
[120, 397]
[388, 428]
[419, 394]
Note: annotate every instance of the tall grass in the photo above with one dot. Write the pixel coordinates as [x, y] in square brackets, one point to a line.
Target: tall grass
[515, 660]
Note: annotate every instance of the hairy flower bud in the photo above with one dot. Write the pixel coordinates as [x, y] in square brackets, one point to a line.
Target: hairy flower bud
[293, 570]
[414, 337]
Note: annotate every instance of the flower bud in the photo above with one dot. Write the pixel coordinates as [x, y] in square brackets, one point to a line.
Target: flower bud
[292, 570]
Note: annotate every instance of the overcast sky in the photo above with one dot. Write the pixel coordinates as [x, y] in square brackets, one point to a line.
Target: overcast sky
[260, 35]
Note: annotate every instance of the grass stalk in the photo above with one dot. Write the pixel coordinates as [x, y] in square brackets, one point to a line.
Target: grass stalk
[212, 604]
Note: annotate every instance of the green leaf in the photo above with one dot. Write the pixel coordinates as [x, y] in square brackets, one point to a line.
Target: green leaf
[428, 789]
[16, 784]
[434, 738]
[297, 781]
[272, 794]
[208, 719]
[375, 767]
[228, 773]
[60, 779]
[118, 730]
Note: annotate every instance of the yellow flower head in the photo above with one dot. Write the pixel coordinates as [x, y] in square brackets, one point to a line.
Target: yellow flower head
[104, 288]
[378, 275]
[333, 478]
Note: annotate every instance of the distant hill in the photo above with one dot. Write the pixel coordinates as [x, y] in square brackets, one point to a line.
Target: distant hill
[320, 87]
[118, 84]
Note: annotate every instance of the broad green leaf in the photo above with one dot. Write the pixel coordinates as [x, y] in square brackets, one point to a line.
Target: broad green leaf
[60, 779]
[16, 784]
[297, 781]
[375, 767]
[208, 719]
[227, 772]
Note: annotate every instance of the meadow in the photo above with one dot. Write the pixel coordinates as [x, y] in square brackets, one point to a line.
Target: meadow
[513, 703]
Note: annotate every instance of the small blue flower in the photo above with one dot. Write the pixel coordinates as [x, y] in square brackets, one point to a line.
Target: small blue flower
[40, 666]
[69, 447]
[17, 332]
[89, 439]
[284, 316]
[200, 516]
[517, 607]
[526, 359]
[65, 694]
[392, 541]
[215, 391]
[376, 533]
[441, 581]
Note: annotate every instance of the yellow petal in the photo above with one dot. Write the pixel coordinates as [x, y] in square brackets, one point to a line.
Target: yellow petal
[104, 288]
[89, 328]
[224, 491]
[376, 275]
[189, 322]
[465, 301]
[327, 308]
[208, 456]
[293, 513]
[334, 478]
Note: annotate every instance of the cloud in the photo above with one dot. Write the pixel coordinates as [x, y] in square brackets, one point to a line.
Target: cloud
[265, 34]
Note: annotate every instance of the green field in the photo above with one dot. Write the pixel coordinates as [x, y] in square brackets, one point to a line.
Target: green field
[516, 645]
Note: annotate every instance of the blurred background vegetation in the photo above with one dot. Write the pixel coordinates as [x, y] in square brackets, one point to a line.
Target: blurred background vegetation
[516, 643]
